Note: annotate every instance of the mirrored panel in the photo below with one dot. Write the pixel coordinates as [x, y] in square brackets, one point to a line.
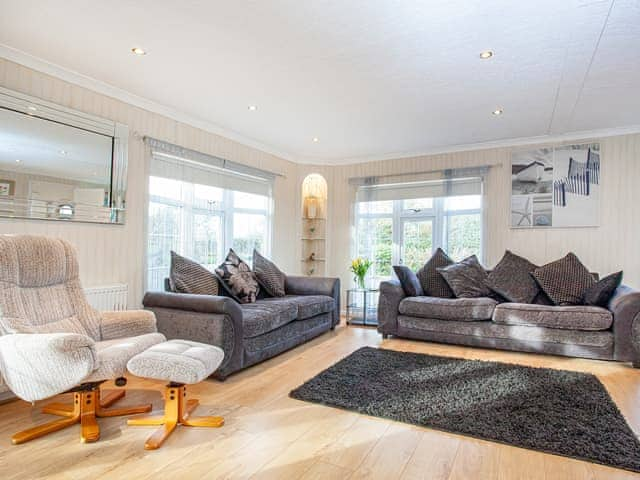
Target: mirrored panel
[57, 164]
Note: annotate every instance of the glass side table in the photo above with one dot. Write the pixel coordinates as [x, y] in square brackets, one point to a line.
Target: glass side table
[362, 306]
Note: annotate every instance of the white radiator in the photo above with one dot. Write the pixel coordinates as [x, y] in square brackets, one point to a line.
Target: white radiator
[108, 297]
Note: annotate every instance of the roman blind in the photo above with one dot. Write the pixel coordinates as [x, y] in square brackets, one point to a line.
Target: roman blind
[179, 163]
[445, 183]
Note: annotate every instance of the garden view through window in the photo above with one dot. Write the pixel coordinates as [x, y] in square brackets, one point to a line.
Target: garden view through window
[202, 222]
[406, 232]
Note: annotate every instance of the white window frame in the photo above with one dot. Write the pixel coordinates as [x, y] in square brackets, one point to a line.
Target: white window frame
[437, 214]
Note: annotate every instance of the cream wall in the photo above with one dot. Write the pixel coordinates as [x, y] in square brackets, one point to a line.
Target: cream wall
[113, 253]
[612, 246]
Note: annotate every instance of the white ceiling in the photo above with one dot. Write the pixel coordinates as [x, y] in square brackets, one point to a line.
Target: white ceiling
[369, 78]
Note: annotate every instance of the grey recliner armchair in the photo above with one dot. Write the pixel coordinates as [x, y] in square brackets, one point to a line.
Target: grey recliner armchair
[53, 341]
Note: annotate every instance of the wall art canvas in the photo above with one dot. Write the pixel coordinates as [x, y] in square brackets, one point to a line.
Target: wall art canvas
[7, 187]
[556, 186]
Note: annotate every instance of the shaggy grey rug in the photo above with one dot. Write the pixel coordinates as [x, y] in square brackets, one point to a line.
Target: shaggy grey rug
[554, 411]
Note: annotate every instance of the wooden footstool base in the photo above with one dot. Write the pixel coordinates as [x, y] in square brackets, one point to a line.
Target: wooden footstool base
[180, 362]
[177, 411]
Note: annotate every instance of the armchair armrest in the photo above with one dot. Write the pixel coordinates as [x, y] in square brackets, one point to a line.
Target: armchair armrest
[127, 323]
[40, 365]
[210, 319]
[625, 306]
[391, 294]
[299, 285]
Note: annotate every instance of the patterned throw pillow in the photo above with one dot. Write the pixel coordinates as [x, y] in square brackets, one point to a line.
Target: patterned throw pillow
[408, 280]
[187, 276]
[269, 275]
[433, 285]
[467, 278]
[601, 292]
[512, 279]
[238, 278]
[565, 280]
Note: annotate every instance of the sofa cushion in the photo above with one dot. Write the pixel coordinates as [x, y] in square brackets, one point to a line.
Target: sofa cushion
[564, 280]
[236, 275]
[462, 309]
[432, 282]
[265, 315]
[466, 278]
[269, 275]
[307, 306]
[512, 279]
[187, 276]
[409, 281]
[601, 292]
[578, 317]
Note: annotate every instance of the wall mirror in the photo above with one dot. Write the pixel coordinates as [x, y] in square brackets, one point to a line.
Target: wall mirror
[60, 164]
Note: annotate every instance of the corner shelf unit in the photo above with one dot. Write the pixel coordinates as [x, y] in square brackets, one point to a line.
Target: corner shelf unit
[314, 225]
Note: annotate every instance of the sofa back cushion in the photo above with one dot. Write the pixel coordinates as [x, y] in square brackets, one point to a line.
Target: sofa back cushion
[565, 280]
[187, 276]
[433, 284]
[511, 279]
[409, 281]
[467, 278]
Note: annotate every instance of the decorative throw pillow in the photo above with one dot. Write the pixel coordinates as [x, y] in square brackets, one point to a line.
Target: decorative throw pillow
[187, 276]
[512, 279]
[270, 277]
[466, 278]
[601, 292]
[565, 280]
[408, 280]
[239, 278]
[433, 285]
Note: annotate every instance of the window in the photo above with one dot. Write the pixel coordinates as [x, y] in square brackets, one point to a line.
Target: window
[407, 231]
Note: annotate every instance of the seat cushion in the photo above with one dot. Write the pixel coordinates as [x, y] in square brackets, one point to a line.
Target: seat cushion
[113, 355]
[307, 306]
[266, 315]
[578, 317]
[462, 309]
[179, 361]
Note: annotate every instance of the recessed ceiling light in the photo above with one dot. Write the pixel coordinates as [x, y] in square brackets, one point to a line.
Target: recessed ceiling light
[253, 108]
[18, 160]
[138, 51]
[497, 111]
[316, 139]
[32, 108]
[63, 152]
[486, 54]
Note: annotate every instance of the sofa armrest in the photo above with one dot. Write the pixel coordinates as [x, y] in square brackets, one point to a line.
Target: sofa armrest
[625, 307]
[391, 294]
[299, 285]
[40, 365]
[209, 319]
[127, 323]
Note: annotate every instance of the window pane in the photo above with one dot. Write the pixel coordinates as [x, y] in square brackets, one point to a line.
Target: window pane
[207, 240]
[249, 200]
[164, 236]
[466, 202]
[375, 242]
[384, 206]
[417, 243]
[418, 204]
[249, 232]
[206, 197]
[165, 187]
[463, 236]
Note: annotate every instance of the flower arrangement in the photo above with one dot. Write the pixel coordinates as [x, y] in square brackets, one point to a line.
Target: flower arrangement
[360, 266]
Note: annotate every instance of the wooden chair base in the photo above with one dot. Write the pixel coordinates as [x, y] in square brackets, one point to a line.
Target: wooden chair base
[88, 404]
[177, 411]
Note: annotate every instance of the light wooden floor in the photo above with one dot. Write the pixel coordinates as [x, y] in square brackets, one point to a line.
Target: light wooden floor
[269, 435]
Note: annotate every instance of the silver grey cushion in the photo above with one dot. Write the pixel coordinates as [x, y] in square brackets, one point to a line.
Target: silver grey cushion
[579, 317]
[307, 305]
[269, 275]
[266, 315]
[465, 309]
[179, 361]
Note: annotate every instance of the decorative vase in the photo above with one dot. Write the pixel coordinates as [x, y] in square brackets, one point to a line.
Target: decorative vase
[360, 282]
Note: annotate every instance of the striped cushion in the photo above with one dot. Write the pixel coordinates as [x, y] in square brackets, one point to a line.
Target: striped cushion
[565, 280]
[269, 275]
[188, 276]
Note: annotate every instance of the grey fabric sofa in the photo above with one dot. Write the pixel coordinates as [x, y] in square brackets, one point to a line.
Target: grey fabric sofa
[611, 333]
[249, 333]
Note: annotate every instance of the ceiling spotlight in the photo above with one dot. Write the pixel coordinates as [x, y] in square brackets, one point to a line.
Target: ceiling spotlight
[316, 139]
[18, 160]
[138, 51]
[486, 54]
[63, 152]
[253, 108]
[497, 111]
[32, 108]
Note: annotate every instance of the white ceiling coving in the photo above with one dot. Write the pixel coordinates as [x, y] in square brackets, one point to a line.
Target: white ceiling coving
[367, 78]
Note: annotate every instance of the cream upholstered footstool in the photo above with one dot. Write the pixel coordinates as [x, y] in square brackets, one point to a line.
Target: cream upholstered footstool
[180, 362]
